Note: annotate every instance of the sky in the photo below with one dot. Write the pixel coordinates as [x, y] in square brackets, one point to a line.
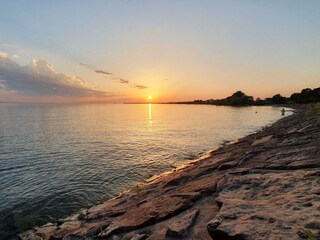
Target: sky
[173, 50]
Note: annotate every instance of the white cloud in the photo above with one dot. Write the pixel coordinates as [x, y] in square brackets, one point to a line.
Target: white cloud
[3, 54]
[2, 87]
[40, 79]
[15, 56]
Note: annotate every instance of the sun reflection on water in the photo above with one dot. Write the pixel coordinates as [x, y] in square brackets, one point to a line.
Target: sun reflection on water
[72, 141]
[150, 114]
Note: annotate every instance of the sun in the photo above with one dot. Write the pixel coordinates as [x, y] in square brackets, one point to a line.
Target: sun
[150, 97]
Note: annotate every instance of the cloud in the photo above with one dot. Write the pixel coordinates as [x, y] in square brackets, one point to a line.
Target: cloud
[103, 72]
[15, 56]
[40, 79]
[140, 86]
[2, 87]
[123, 81]
[92, 69]
[3, 54]
[114, 77]
[86, 66]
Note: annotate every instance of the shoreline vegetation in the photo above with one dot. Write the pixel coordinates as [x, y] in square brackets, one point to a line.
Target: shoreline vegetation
[239, 98]
[265, 185]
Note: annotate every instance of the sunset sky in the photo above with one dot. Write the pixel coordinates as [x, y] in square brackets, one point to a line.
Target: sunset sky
[126, 51]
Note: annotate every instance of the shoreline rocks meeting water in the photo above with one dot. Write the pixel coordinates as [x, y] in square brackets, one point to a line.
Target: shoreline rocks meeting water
[264, 186]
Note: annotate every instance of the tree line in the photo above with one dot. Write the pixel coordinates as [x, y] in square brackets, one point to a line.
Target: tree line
[239, 98]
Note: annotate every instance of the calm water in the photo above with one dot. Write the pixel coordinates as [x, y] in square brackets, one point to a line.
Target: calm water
[57, 159]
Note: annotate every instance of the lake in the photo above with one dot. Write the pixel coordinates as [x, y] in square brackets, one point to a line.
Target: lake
[56, 159]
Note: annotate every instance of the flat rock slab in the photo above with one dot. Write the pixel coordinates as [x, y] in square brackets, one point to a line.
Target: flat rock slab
[268, 206]
[181, 226]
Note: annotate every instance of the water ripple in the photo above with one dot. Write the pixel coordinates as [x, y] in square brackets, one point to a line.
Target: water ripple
[57, 159]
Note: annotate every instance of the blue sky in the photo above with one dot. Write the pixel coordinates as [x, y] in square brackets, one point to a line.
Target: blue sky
[176, 50]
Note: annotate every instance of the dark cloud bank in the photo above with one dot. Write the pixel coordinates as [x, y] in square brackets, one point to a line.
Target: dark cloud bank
[40, 79]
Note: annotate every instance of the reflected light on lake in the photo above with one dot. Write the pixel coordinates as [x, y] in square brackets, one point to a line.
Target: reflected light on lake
[150, 114]
[56, 159]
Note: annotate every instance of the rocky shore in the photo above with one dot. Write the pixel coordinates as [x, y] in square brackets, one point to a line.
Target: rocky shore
[264, 186]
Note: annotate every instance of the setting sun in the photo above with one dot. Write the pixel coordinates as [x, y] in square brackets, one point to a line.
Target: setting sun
[150, 97]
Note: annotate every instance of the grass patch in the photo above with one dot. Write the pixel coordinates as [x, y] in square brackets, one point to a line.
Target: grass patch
[313, 110]
[310, 235]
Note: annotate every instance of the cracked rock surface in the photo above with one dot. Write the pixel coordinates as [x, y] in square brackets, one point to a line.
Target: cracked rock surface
[264, 186]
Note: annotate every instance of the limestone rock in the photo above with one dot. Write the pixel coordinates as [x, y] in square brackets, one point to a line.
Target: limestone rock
[181, 226]
[270, 204]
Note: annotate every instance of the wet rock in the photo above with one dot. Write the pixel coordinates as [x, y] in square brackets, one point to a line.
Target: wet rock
[30, 235]
[46, 231]
[81, 216]
[60, 222]
[66, 228]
